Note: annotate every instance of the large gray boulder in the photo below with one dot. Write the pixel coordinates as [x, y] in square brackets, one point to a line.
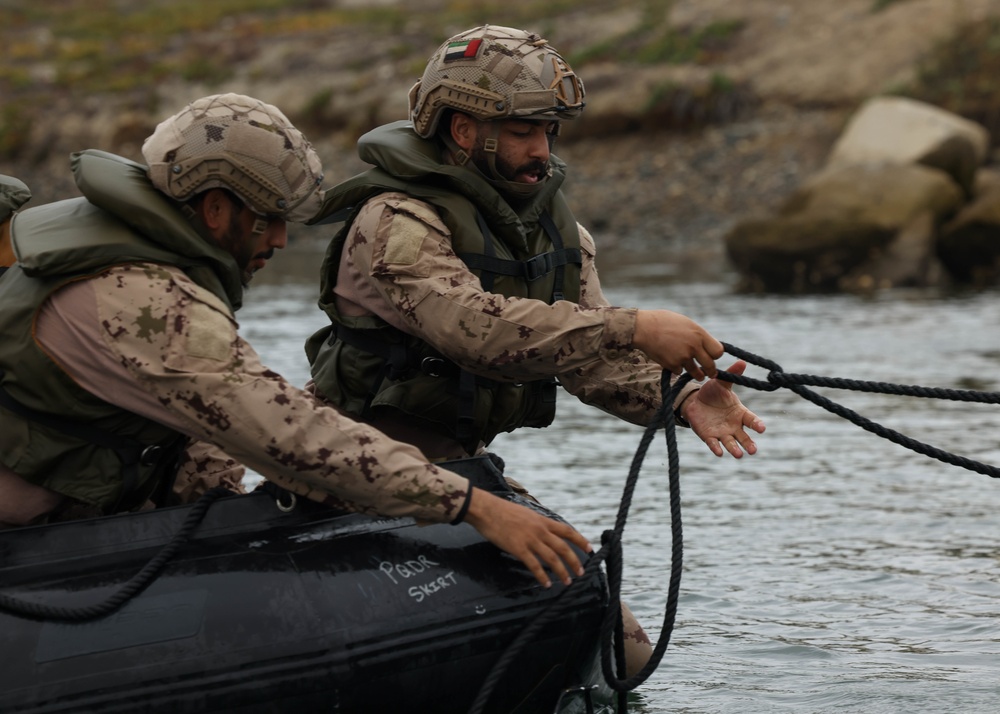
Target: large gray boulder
[886, 194]
[906, 131]
[872, 217]
[856, 228]
[800, 253]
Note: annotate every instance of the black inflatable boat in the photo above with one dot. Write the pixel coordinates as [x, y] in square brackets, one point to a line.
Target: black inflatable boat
[268, 608]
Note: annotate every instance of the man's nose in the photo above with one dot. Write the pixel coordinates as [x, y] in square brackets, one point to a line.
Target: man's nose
[539, 147]
[279, 234]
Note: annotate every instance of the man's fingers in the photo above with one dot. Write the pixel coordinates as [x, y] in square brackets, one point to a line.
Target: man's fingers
[707, 357]
[555, 565]
[535, 566]
[692, 368]
[555, 552]
[536, 540]
[752, 421]
[737, 367]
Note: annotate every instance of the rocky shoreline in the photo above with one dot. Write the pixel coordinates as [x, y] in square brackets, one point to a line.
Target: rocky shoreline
[642, 176]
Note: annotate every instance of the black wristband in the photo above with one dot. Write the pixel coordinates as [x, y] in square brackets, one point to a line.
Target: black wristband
[464, 509]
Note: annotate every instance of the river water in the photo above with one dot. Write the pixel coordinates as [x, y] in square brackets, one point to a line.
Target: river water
[833, 571]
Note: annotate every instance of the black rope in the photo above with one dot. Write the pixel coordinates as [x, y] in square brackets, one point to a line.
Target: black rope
[777, 378]
[612, 539]
[136, 584]
[611, 551]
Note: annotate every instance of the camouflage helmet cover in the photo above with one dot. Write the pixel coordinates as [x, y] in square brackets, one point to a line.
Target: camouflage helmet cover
[494, 72]
[242, 144]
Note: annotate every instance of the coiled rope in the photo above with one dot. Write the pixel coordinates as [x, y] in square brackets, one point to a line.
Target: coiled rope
[136, 584]
[611, 549]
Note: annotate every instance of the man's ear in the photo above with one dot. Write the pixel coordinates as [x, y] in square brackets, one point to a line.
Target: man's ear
[463, 131]
[215, 208]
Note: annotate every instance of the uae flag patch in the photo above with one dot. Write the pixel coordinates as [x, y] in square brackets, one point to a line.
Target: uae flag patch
[464, 50]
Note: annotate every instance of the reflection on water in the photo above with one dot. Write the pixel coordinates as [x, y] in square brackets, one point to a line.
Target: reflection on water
[834, 571]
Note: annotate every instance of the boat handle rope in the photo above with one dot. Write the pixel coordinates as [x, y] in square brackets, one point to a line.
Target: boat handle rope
[611, 550]
[132, 587]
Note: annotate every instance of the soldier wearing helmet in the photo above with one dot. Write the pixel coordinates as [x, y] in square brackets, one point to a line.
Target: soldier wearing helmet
[118, 346]
[462, 290]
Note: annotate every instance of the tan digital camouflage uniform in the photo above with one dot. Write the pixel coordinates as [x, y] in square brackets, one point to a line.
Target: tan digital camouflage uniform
[399, 265]
[157, 344]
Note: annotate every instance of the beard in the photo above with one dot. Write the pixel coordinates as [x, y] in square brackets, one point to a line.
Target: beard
[235, 242]
[248, 272]
[504, 169]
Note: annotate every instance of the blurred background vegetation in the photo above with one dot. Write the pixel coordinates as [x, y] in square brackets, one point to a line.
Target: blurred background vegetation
[100, 73]
[118, 47]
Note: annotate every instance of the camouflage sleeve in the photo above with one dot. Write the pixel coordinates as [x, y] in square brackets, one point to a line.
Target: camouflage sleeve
[179, 344]
[403, 251]
[628, 387]
[205, 466]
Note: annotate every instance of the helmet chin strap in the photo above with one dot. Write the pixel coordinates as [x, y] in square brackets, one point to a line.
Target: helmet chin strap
[516, 190]
[259, 226]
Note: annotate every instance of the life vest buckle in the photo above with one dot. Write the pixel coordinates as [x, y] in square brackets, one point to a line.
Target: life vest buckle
[433, 366]
[151, 455]
[539, 266]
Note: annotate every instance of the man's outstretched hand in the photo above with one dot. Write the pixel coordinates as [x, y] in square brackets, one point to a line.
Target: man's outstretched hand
[720, 419]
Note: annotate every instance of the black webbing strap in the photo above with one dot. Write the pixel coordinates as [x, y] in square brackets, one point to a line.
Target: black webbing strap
[531, 269]
[489, 265]
[489, 254]
[338, 217]
[549, 226]
[465, 419]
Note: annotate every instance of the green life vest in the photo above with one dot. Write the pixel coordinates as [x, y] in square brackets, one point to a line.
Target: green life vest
[53, 433]
[363, 363]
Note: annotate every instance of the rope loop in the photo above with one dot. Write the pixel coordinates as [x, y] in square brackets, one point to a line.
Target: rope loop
[135, 585]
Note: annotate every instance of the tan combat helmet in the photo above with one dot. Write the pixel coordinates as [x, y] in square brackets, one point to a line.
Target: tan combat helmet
[242, 144]
[494, 72]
